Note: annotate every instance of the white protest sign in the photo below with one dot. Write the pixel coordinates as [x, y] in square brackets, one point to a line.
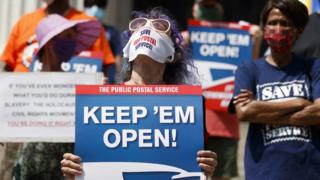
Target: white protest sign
[40, 106]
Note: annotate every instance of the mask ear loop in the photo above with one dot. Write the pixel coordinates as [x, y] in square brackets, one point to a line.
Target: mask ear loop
[170, 58]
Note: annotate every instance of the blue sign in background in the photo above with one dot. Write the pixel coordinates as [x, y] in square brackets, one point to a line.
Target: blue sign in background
[245, 51]
[90, 143]
[217, 51]
[75, 64]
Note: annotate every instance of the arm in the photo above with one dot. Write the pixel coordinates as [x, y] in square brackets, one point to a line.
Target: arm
[2, 65]
[257, 36]
[267, 112]
[10, 53]
[310, 115]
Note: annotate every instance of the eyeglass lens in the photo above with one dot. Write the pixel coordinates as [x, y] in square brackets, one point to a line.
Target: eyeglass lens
[158, 24]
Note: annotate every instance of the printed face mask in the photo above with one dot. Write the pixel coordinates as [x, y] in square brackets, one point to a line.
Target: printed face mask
[279, 39]
[157, 46]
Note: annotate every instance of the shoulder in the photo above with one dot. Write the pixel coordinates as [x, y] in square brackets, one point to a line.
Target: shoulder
[250, 69]
[313, 64]
[75, 14]
[252, 64]
[35, 14]
[32, 17]
[299, 59]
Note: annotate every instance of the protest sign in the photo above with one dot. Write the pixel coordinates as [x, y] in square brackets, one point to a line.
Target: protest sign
[218, 48]
[40, 106]
[85, 62]
[139, 132]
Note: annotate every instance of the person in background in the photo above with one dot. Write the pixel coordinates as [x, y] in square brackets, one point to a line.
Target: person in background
[222, 127]
[59, 40]
[308, 44]
[22, 42]
[21, 45]
[212, 10]
[164, 63]
[97, 8]
[279, 95]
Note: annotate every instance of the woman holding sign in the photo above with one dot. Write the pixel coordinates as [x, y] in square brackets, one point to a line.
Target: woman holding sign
[161, 60]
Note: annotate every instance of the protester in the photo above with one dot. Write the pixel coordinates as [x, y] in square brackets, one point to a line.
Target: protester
[164, 63]
[97, 8]
[212, 10]
[59, 39]
[275, 95]
[222, 128]
[22, 43]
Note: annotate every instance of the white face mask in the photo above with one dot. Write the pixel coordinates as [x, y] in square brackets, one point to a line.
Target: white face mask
[146, 41]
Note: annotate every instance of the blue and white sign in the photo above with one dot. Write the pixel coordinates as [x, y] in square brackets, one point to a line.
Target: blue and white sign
[218, 48]
[139, 132]
[79, 64]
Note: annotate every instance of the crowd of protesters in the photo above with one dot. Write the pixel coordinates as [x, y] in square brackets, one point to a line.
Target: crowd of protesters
[278, 94]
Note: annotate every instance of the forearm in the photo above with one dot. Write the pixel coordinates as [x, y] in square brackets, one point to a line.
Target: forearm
[310, 115]
[2, 65]
[269, 112]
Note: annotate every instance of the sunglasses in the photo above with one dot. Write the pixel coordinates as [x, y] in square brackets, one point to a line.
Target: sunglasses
[161, 25]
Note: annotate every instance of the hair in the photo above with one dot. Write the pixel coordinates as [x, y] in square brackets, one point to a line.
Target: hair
[210, 10]
[99, 3]
[296, 11]
[207, 3]
[182, 69]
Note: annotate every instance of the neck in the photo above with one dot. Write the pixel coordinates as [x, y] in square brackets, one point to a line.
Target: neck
[138, 79]
[147, 73]
[58, 7]
[279, 59]
[50, 61]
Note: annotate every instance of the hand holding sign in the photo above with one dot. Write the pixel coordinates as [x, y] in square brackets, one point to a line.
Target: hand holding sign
[207, 160]
[70, 165]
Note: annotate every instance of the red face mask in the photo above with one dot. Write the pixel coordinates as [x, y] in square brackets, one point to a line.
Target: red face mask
[280, 40]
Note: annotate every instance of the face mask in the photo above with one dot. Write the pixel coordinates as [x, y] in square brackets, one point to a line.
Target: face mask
[97, 12]
[149, 42]
[64, 48]
[280, 40]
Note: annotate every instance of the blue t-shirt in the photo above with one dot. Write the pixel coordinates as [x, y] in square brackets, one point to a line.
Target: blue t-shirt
[280, 152]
